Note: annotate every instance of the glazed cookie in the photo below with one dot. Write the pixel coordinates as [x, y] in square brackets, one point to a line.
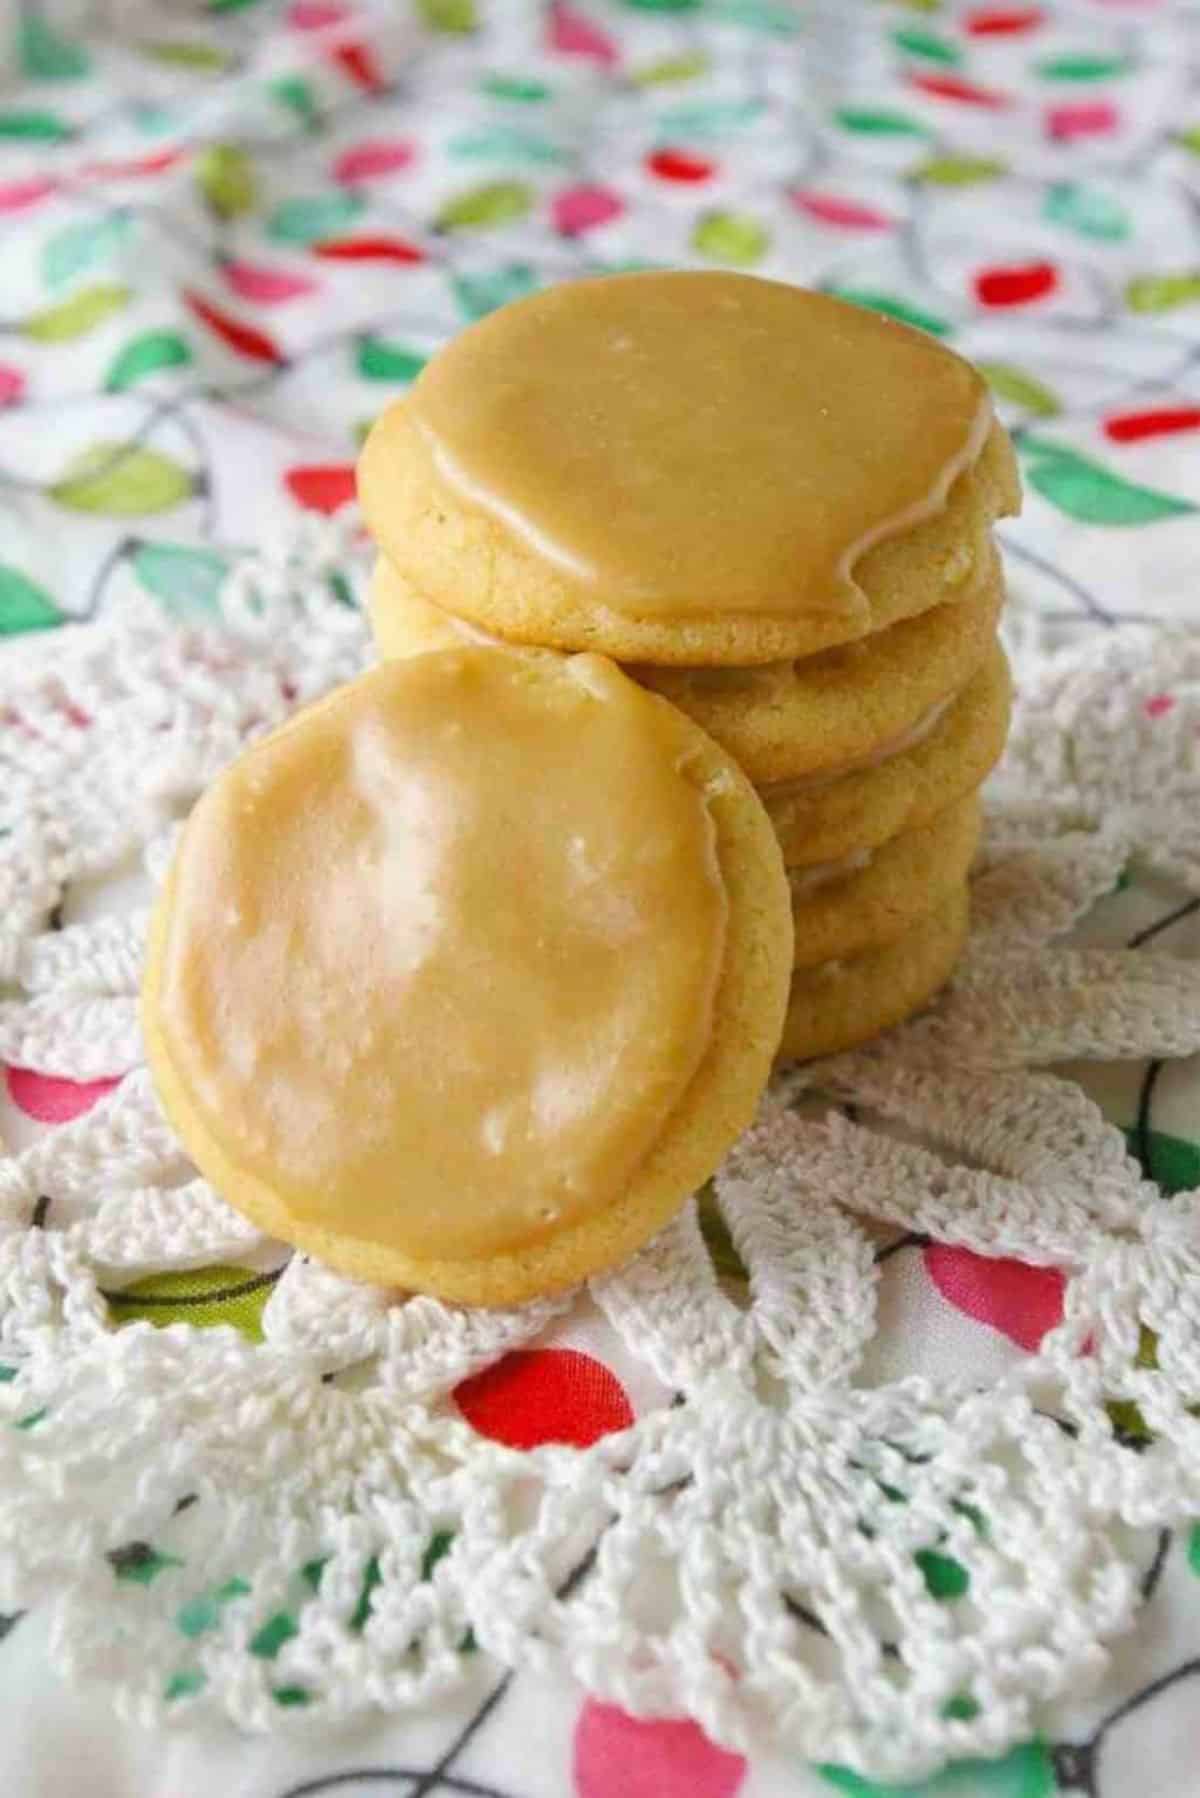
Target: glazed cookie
[689, 469]
[829, 714]
[868, 899]
[844, 1003]
[467, 977]
[821, 820]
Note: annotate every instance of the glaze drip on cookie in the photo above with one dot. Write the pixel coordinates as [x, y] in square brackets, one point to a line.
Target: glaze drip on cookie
[438, 959]
[683, 444]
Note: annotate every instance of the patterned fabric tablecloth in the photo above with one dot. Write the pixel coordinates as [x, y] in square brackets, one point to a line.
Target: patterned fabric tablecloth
[233, 231]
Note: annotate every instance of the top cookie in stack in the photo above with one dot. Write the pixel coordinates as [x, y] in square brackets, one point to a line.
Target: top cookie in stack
[775, 509]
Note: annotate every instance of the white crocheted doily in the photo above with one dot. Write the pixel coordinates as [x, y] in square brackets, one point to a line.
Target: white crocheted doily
[877, 1574]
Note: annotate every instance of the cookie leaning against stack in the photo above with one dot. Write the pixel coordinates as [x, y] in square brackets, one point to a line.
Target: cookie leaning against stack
[775, 510]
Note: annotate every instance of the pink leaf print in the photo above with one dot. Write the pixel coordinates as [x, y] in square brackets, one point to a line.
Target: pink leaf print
[377, 156]
[52, 1101]
[834, 209]
[12, 384]
[16, 195]
[265, 286]
[579, 209]
[572, 33]
[1020, 1301]
[1093, 118]
[315, 15]
[618, 1756]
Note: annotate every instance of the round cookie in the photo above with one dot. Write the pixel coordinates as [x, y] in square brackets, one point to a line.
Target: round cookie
[824, 820]
[845, 1003]
[826, 715]
[689, 469]
[884, 892]
[355, 917]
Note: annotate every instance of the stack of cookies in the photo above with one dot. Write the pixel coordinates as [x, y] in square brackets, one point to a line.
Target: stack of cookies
[775, 510]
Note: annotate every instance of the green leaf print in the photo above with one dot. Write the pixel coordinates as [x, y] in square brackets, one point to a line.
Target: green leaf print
[78, 315]
[1092, 494]
[145, 355]
[1026, 1772]
[479, 208]
[297, 95]
[663, 5]
[226, 179]
[120, 481]
[1020, 389]
[734, 238]
[80, 246]
[203, 1612]
[24, 606]
[42, 127]
[186, 580]
[944, 1577]
[265, 1644]
[1087, 211]
[1083, 68]
[915, 42]
[519, 88]
[45, 55]
[1163, 293]
[1171, 1161]
[184, 1684]
[379, 360]
[870, 121]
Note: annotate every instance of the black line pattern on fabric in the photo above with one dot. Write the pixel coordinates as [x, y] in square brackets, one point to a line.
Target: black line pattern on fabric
[222, 1294]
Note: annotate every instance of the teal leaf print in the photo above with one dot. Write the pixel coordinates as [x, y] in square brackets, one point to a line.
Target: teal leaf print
[139, 1563]
[379, 360]
[185, 1684]
[1162, 293]
[915, 42]
[505, 141]
[310, 217]
[1020, 389]
[81, 246]
[226, 179]
[7, 1374]
[78, 315]
[777, 20]
[716, 119]
[479, 208]
[39, 127]
[45, 56]
[1082, 68]
[478, 295]
[118, 481]
[1193, 1548]
[663, 5]
[1026, 1772]
[1092, 494]
[454, 17]
[24, 606]
[203, 1612]
[892, 307]
[145, 355]
[519, 88]
[734, 238]
[185, 580]
[1086, 210]
[873, 121]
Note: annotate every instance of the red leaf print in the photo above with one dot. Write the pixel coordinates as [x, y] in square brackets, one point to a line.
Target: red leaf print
[1016, 286]
[358, 61]
[572, 33]
[545, 1395]
[680, 165]
[1132, 427]
[994, 22]
[16, 195]
[247, 340]
[50, 1100]
[1022, 1302]
[1094, 118]
[953, 87]
[383, 156]
[369, 249]
[832, 209]
[579, 209]
[154, 164]
[322, 488]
